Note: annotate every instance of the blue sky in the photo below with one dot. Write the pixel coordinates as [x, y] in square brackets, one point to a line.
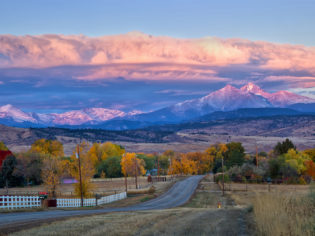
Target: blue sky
[283, 21]
[59, 73]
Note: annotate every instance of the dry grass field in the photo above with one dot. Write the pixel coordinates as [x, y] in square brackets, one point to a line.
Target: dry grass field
[285, 210]
[100, 186]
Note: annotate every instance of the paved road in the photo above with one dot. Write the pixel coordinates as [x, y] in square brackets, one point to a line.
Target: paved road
[175, 196]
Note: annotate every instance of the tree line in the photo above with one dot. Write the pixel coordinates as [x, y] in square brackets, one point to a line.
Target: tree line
[46, 163]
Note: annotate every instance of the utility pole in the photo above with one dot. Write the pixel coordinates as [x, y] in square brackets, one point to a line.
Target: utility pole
[79, 159]
[158, 163]
[222, 176]
[256, 155]
[126, 186]
[136, 172]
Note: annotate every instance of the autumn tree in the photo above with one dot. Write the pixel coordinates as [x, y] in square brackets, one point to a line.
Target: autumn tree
[100, 151]
[310, 153]
[132, 166]
[3, 147]
[51, 173]
[87, 169]
[217, 152]
[48, 147]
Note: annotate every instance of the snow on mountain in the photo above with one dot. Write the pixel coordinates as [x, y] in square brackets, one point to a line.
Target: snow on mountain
[10, 112]
[225, 99]
[278, 99]
[231, 98]
[92, 115]
[76, 117]
[285, 98]
[253, 88]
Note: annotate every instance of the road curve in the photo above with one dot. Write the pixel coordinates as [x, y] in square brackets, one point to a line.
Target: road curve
[175, 196]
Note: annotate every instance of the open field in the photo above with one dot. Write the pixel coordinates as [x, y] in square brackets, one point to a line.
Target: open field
[285, 210]
[194, 141]
[101, 186]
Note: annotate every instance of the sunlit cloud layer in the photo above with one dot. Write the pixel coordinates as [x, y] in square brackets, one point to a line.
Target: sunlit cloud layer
[137, 56]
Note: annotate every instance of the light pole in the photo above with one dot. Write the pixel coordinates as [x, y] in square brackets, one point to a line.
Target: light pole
[80, 175]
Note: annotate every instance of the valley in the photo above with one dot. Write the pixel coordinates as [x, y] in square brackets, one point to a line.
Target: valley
[185, 137]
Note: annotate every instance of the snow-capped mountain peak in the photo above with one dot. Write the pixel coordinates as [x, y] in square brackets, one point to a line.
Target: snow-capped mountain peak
[10, 112]
[253, 88]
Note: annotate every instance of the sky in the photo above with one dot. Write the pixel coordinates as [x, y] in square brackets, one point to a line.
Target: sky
[58, 55]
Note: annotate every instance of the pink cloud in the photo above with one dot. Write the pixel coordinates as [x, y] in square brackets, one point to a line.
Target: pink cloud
[140, 56]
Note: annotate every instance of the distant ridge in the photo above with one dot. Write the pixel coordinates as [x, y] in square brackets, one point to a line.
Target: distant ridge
[225, 99]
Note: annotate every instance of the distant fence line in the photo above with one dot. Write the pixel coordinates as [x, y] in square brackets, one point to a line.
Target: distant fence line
[15, 202]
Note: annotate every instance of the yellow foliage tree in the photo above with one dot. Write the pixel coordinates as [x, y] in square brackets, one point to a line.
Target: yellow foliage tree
[52, 171]
[132, 166]
[87, 170]
[99, 152]
[48, 147]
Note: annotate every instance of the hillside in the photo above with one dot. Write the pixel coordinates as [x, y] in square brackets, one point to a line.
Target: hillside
[158, 138]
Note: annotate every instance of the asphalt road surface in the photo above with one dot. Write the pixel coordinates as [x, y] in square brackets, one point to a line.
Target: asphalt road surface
[179, 194]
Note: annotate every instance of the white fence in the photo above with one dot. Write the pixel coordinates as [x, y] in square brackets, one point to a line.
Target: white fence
[112, 198]
[14, 202]
[76, 202]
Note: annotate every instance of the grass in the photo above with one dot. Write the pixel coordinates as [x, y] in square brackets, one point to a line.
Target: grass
[101, 186]
[285, 210]
[180, 221]
[282, 214]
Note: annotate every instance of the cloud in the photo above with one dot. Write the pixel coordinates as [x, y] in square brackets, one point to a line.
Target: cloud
[179, 92]
[308, 92]
[293, 81]
[138, 56]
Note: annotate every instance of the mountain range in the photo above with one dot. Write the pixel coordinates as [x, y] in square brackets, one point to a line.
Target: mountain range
[225, 99]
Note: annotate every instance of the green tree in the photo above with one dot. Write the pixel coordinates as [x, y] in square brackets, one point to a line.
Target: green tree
[284, 147]
[149, 160]
[29, 166]
[235, 154]
[111, 167]
[8, 179]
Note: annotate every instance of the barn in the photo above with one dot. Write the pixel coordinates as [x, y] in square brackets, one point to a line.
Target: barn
[3, 155]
